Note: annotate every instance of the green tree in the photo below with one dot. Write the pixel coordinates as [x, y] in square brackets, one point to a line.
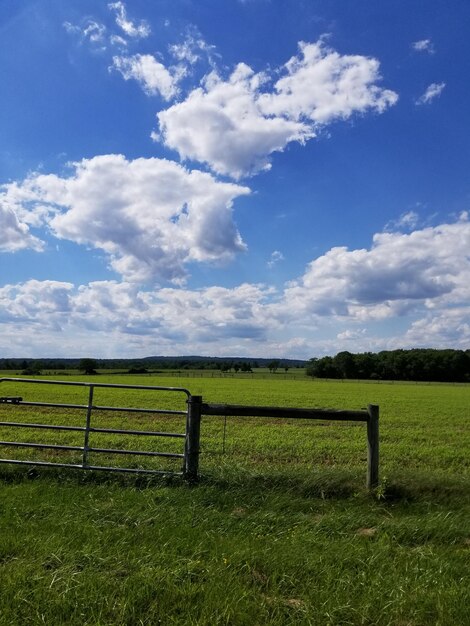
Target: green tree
[344, 362]
[88, 366]
[273, 366]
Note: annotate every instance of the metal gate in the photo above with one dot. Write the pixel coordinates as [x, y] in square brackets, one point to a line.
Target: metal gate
[188, 454]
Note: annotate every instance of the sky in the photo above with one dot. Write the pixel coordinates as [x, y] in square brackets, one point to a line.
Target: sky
[260, 178]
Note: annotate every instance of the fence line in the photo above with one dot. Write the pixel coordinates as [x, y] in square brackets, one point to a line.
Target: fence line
[196, 408]
[369, 415]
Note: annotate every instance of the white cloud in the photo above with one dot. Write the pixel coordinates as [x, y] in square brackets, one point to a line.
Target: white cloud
[401, 273]
[321, 86]
[131, 29]
[406, 221]
[449, 328]
[221, 124]
[423, 45]
[150, 216]
[352, 335]
[117, 40]
[90, 30]
[276, 256]
[193, 48]
[433, 91]
[422, 277]
[234, 125]
[35, 301]
[152, 75]
[15, 234]
[208, 319]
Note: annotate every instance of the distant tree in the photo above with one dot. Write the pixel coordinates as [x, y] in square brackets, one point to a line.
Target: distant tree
[417, 364]
[137, 370]
[32, 369]
[273, 366]
[345, 363]
[88, 366]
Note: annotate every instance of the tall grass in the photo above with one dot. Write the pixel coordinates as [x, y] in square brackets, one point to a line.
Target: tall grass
[280, 529]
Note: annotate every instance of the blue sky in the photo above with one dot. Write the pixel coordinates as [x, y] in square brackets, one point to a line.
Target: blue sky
[238, 178]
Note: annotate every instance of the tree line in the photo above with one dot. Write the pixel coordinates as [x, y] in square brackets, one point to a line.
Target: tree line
[420, 364]
[147, 364]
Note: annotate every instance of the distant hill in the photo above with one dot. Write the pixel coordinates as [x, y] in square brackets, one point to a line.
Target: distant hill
[150, 362]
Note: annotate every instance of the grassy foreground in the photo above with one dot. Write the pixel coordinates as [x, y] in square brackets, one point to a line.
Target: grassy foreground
[279, 531]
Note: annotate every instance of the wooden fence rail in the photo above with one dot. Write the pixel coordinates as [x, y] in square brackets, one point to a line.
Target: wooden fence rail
[197, 408]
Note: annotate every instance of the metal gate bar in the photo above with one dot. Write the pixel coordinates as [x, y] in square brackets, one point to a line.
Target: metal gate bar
[117, 431]
[87, 429]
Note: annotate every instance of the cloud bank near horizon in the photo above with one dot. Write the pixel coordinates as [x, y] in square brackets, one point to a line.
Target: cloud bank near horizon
[423, 275]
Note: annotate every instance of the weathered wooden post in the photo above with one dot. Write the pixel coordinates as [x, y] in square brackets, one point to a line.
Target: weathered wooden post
[193, 434]
[372, 446]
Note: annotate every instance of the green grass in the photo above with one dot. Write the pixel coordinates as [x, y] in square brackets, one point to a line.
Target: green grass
[280, 529]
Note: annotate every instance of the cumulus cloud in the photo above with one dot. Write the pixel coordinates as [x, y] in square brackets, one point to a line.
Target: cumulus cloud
[446, 328]
[221, 124]
[321, 86]
[15, 234]
[433, 91]
[168, 317]
[34, 301]
[424, 277]
[399, 274]
[234, 125]
[152, 75]
[150, 216]
[139, 30]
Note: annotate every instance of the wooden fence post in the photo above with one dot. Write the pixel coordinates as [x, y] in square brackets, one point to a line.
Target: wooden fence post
[373, 446]
[193, 433]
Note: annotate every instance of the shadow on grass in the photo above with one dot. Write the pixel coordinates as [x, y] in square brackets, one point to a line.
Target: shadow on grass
[437, 489]
[17, 475]
[322, 484]
[341, 484]
[327, 484]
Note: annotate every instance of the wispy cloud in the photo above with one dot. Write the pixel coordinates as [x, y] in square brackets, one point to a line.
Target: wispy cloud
[433, 91]
[407, 221]
[276, 257]
[90, 30]
[132, 29]
[423, 45]
[194, 48]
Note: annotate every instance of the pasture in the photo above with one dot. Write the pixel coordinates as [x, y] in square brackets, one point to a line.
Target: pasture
[280, 530]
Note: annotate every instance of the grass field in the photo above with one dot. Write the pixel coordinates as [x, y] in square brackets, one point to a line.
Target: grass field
[280, 530]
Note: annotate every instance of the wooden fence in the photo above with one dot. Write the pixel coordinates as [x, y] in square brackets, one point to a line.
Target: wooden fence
[197, 408]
